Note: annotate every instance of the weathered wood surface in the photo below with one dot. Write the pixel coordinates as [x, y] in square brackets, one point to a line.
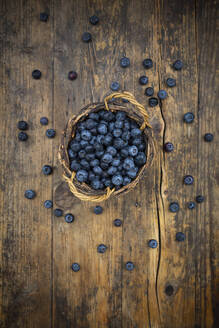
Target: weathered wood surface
[38, 287]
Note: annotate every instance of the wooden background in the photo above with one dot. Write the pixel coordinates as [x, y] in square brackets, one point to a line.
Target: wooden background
[38, 287]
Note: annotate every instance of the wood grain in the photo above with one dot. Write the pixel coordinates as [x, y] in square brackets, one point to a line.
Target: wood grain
[38, 287]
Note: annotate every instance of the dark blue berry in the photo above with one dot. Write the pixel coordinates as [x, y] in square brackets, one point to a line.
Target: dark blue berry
[133, 151]
[116, 162]
[30, 194]
[48, 204]
[47, 169]
[174, 207]
[129, 266]
[119, 124]
[108, 116]
[86, 37]
[36, 74]
[22, 136]
[140, 159]
[125, 100]
[101, 248]
[75, 267]
[188, 180]
[94, 162]
[112, 170]
[84, 164]
[208, 137]
[75, 145]
[89, 149]
[84, 144]
[98, 209]
[141, 147]
[135, 132]
[72, 75]
[117, 133]
[180, 236]
[120, 116]
[102, 128]
[97, 170]
[124, 152]
[117, 180]
[93, 140]
[107, 182]
[177, 65]
[188, 117]
[82, 153]
[90, 124]
[171, 82]
[58, 212]
[124, 62]
[126, 125]
[95, 184]
[111, 126]
[168, 147]
[111, 150]
[94, 116]
[44, 121]
[86, 135]
[191, 205]
[98, 146]
[94, 131]
[152, 243]
[132, 173]
[162, 94]
[126, 135]
[147, 63]
[143, 80]
[108, 139]
[99, 154]
[153, 102]
[77, 136]
[44, 17]
[82, 175]
[137, 141]
[118, 143]
[107, 157]
[22, 125]
[104, 166]
[50, 133]
[75, 166]
[81, 126]
[94, 20]
[69, 218]
[199, 199]
[91, 176]
[126, 181]
[149, 91]
[114, 86]
[117, 223]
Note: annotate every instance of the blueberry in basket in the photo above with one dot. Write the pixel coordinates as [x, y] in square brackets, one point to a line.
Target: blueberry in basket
[112, 156]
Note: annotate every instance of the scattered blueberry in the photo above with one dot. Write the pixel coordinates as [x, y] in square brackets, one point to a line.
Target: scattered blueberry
[124, 62]
[208, 137]
[114, 86]
[174, 207]
[188, 180]
[117, 222]
[153, 102]
[48, 204]
[86, 37]
[191, 205]
[101, 248]
[199, 199]
[149, 91]
[72, 75]
[47, 169]
[30, 194]
[22, 136]
[168, 147]
[44, 17]
[69, 218]
[50, 133]
[22, 125]
[98, 209]
[188, 117]
[171, 82]
[147, 63]
[162, 94]
[58, 212]
[143, 80]
[36, 74]
[44, 121]
[152, 243]
[180, 236]
[94, 20]
[129, 266]
[177, 65]
[75, 267]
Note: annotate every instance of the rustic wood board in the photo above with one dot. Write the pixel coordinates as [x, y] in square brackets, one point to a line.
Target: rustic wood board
[38, 287]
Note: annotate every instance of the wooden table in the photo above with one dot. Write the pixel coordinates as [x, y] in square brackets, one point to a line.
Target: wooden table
[172, 286]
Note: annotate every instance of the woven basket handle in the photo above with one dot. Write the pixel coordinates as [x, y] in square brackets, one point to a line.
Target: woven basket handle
[128, 96]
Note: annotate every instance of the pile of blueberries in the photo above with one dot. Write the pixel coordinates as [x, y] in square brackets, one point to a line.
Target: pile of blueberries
[108, 150]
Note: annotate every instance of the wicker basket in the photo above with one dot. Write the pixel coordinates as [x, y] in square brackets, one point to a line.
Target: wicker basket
[113, 102]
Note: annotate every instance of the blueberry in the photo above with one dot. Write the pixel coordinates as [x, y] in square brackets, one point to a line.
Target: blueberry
[112, 170]
[83, 144]
[126, 125]
[152, 243]
[94, 116]
[75, 145]
[149, 91]
[90, 124]
[111, 150]
[91, 176]
[69, 218]
[108, 139]
[93, 131]
[98, 209]
[86, 135]
[107, 158]
[120, 116]
[177, 65]
[140, 159]
[188, 180]
[125, 100]
[208, 137]
[171, 82]
[86, 37]
[129, 266]
[22, 136]
[141, 147]
[133, 150]
[118, 143]
[90, 157]
[128, 163]
[188, 117]
[44, 121]
[117, 133]
[102, 128]
[108, 116]
[100, 139]
[143, 80]
[162, 94]
[124, 62]
[126, 135]
[94, 20]
[30, 194]
[77, 136]
[124, 152]
[89, 149]
[104, 166]
[50, 133]
[101, 248]
[98, 146]
[168, 147]
[22, 125]
[119, 124]
[75, 166]
[117, 180]
[47, 169]
[180, 236]
[126, 181]
[135, 132]
[84, 164]
[97, 170]
[82, 153]
[72, 75]
[75, 267]
[95, 184]
[153, 102]
[116, 162]
[114, 86]
[102, 113]
[174, 207]
[147, 63]
[117, 223]
[81, 126]
[137, 141]
[93, 140]
[111, 126]
[44, 17]
[94, 162]
[199, 199]
[48, 204]
[58, 212]
[82, 175]
[99, 154]
[36, 74]
[132, 173]
[191, 205]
